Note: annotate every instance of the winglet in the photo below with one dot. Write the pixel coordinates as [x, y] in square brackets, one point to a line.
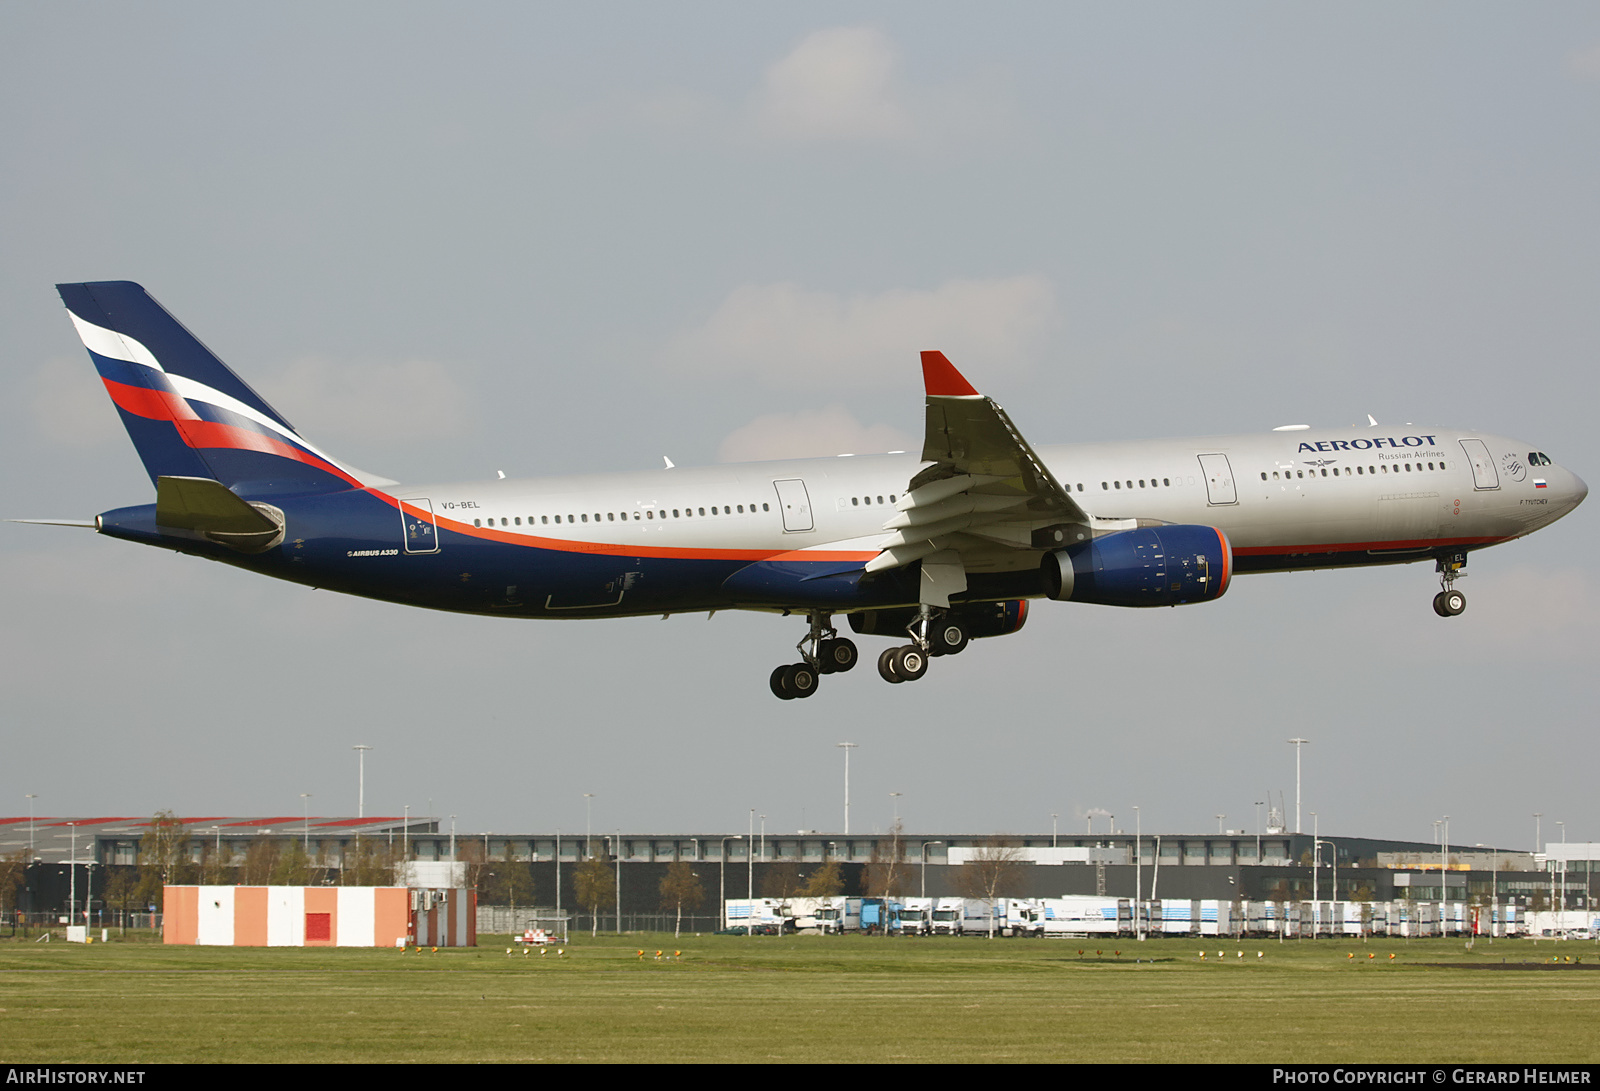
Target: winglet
[942, 379]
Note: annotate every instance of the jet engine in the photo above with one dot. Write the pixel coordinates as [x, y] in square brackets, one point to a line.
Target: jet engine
[1148, 566]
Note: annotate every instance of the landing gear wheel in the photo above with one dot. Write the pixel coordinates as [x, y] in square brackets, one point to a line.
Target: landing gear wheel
[793, 680]
[780, 685]
[1438, 605]
[800, 680]
[838, 656]
[1451, 603]
[886, 666]
[947, 638]
[910, 663]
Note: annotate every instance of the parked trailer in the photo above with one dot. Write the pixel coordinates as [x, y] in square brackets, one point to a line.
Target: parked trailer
[758, 913]
[1082, 915]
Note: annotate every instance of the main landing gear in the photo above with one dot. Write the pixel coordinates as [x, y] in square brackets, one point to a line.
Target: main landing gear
[822, 651]
[931, 636]
[1450, 602]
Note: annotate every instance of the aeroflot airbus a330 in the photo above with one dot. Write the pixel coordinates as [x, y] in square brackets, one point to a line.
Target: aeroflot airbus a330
[936, 549]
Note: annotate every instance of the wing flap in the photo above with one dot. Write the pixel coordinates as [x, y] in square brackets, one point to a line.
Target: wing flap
[984, 490]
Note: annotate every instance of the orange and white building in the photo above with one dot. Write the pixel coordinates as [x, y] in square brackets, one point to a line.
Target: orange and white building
[319, 916]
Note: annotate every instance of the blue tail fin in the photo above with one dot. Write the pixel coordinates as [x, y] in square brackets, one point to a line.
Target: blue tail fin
[188, 414]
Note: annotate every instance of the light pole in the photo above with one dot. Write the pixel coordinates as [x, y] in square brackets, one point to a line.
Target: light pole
[31, 797]
[924, 893]
[1054, 818]
[305, 819]
[1258, 830]
[1138, 871]
[896, 797]
[618, 855]
[846, 747]
[1316, 855]
[1444, 869]
[72, 886]
[1538, 817]
[1335, 898]
[361, 779]
[1297, 743]
[722, 877]
[588, 820]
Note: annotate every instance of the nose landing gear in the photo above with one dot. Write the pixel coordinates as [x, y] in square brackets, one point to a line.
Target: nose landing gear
[1450, 602]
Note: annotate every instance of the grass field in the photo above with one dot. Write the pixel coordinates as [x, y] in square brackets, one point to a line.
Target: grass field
[765, 999]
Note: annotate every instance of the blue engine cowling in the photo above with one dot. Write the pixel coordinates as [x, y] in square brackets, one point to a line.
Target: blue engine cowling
[1148, 566]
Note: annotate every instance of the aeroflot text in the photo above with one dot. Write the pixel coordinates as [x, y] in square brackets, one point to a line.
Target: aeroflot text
[1368, 444]
[1436, 1075]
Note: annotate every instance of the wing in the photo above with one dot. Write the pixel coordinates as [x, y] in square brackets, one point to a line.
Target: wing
[987, 503]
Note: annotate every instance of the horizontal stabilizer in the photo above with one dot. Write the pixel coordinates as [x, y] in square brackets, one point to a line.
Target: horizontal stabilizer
[210, 508]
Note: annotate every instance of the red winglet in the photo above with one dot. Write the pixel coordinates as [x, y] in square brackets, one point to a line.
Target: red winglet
[942, 379]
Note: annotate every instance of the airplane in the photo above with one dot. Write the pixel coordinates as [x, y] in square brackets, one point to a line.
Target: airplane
[937, 549]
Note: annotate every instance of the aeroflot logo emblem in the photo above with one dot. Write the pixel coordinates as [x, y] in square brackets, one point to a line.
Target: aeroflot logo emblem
[1365, 444]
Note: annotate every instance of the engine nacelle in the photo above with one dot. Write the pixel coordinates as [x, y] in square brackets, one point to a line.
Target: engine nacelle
[981, 619]
[1149, 566]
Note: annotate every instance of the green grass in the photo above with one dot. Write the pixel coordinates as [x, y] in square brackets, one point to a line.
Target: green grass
[765, 999]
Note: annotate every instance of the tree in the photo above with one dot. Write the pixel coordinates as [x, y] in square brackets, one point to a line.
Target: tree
[13, 873]
[596, 887]
[370, 863]
[120, 891]
[292, 866]
[215, 861]
[260, 861]
[994, 870]
[781, 881]
[826, 882]
[163, 856]
[512, 883]
[887, 872]
[681, 887]
[474, 854]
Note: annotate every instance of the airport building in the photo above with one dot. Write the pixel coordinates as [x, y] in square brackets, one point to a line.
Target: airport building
[71, 860]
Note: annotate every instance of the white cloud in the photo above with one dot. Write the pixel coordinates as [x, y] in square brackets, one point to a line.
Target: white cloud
[793, 336]
[370, 401]
[811, 434]
[837, 84]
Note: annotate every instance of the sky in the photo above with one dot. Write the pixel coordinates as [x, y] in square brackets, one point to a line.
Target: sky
[447, 241]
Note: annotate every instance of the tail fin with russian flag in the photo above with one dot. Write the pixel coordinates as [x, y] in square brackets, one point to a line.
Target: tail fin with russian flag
[188, 414]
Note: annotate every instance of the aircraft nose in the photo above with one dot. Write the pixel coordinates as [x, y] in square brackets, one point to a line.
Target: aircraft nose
[1578, 490]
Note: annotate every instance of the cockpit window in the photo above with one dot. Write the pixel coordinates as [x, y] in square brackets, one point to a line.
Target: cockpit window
[1538, 458]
